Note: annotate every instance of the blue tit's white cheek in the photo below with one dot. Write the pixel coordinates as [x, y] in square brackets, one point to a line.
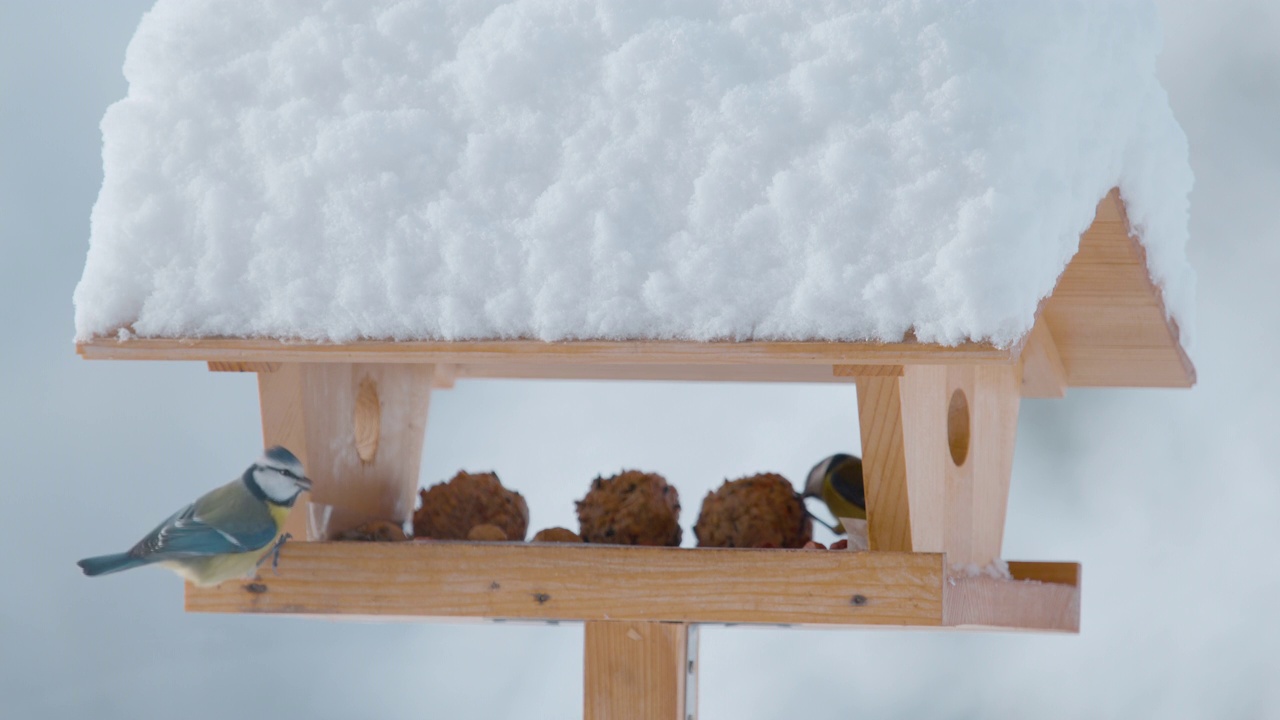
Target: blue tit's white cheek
[275, 486]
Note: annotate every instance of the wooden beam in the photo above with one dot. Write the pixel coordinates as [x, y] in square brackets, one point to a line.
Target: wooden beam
[590, 582]
[234, 366]
[636, 670]
[1043, 375]
[509, 352]
[553, 582]
[662, 372]
[358, 430]
[884, 469]
[866, 371]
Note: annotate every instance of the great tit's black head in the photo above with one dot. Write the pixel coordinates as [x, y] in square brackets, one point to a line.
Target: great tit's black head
[813, 484]
[845, 476]
[279, 474]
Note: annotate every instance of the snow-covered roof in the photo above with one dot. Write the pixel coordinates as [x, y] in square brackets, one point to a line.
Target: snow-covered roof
[556, 169]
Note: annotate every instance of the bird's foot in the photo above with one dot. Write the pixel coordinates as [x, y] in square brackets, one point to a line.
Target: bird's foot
[274, 553]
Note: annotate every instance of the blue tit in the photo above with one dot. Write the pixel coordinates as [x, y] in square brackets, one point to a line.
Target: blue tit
[225, 534]
[837, 481]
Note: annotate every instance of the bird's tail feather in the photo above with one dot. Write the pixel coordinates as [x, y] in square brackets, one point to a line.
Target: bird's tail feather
[104, 564]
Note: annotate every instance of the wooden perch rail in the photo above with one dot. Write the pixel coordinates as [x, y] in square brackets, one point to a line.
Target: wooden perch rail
[592, 582]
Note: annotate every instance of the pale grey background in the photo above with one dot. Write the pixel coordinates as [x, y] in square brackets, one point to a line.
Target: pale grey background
[1169, 498]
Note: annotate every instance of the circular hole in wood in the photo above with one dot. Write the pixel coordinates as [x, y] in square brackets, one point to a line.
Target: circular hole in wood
[958, 427]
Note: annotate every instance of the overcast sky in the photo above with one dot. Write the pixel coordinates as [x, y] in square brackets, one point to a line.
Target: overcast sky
[1169, 498]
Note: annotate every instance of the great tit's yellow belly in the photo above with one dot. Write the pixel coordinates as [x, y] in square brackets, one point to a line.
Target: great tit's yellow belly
[214, 569]
[839, 506]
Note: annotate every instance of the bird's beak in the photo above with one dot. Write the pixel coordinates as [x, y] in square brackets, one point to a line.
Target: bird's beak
[305, 484]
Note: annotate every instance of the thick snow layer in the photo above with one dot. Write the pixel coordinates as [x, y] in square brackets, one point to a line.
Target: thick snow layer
[623, 169]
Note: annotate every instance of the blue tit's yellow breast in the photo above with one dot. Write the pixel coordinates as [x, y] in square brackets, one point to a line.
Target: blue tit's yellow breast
[279, 513]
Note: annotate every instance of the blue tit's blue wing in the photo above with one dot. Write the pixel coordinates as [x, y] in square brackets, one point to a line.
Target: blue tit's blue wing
[227, 520]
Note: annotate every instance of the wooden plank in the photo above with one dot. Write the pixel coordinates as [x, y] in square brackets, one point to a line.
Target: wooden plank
[233, 366]
[590, 582]
[660, 372]
[884, 470]
[1108, 319]
[1022, 603]
[1043, 375]
[923, 391]
[867, 371]
[635, 670]
[358, 430]
[365, 426]
[533, 351]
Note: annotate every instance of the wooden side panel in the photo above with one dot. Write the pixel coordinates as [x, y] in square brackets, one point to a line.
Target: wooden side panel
[361, 490]
[590, 582]
[977, 489]
[635, 670]
[1108, 318]
[358, 430]
[283, 423]
[983, 602]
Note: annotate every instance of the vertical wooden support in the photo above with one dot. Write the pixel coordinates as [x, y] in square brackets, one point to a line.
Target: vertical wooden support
[358, 429]
[884, 468]
[640, 671]
[937, 448]
[980, 460]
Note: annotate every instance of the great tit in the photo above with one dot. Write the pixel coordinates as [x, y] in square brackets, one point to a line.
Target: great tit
[837, 481]
[224, 535]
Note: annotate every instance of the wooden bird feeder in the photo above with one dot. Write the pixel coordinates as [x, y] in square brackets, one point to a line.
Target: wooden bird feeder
[938, 427]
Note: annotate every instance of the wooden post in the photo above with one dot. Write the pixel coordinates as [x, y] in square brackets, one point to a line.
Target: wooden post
[937, 448]
[358, 429]
[640, 671]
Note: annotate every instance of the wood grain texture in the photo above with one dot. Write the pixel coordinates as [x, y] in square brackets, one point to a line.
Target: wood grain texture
[367, 420]
[283, 423]
[590, 582]
[660, 372]
[1022, 604]
[360, 491]
[884, 469]
[923, 390]
[1108, 319]
[956, 508]
[977, 491]
[1043, 375]
[509, 352]
[635, 670]
[233, 366]
[856, 371]
[316, 410]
